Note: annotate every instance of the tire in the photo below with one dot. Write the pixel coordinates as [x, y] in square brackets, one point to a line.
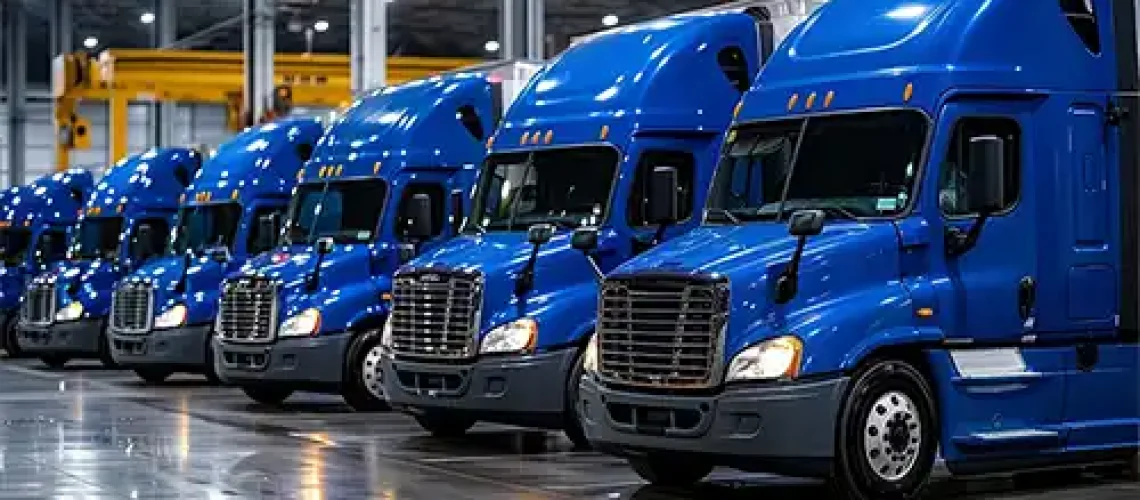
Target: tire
[11, 337]
[887, 434]
[363, 383]
[210, 370]
[267, 395]
[660, 470]
[153, 375]
[105, 355]
[445, 426]
[573, 425]
[54, 361]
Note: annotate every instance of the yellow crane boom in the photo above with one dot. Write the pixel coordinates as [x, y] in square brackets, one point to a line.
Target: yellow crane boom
[120, 76]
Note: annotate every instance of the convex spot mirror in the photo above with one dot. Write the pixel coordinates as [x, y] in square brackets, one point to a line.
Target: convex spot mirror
[539, 234]
[324, 246]
[585, 239]
[805, 223]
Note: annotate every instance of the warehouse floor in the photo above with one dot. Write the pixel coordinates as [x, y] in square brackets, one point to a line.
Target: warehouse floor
[86, 432]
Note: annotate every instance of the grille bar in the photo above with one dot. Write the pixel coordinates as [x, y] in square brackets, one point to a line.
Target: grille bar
[435, 314]
[39, 305]
[663, 332]
[247, 313]
[132, 308]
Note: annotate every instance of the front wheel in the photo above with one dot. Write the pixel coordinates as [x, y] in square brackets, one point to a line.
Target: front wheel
[661, 470]
[887, 435]
[445, 426]
[270, 396]
[55, 361]
[153, 375]
[364, 383]
[105, 356]
[210, 370]
[10, 339]
[573, 425]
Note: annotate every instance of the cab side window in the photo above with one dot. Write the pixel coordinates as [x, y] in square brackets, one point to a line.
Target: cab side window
[438, 196]
[255, 244]
[955, 175]
[685, 164]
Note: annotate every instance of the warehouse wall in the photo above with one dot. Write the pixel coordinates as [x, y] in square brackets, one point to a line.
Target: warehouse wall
[193, 125]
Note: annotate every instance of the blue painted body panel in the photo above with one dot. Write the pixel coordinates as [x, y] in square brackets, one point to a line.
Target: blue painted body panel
[52, 202]
[666, 92]
[257, 169]
[862, 284]
[402, 134]
[145, 185]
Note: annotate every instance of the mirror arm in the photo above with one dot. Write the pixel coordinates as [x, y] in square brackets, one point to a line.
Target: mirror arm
[959, 242]
[788, 283]
[525, 281]
[314, 281]
[593, 260]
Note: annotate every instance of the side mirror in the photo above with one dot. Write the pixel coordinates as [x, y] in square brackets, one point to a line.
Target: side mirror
[142, 246]
[585, 239]
[47, 242]
[662, 194]
[805, 223]
[539, 234]
[986, 183]
[267, 230]
[420, 217]
[325, 246]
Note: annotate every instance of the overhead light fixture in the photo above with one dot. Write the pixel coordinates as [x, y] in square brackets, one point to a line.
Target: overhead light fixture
[146, 17]
[491, 46]
[610, 20]
[90, 42]
[321, 26]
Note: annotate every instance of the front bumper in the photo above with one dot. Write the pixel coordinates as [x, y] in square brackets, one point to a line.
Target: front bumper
[183, 347]
[523, 390]
[308, 363]
[72, 338]
[781, 428]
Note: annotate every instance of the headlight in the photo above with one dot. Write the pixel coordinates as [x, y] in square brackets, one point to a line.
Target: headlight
[590, 357]
[772, 359]
[386, 334]
[514, 337]
[70, 312]
[172, 318]
[302, 325]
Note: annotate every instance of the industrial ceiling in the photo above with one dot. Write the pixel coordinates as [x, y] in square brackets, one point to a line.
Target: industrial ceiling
[416, 27]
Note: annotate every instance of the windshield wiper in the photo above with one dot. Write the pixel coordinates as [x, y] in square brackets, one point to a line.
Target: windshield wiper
[727, 214]
[839, 212]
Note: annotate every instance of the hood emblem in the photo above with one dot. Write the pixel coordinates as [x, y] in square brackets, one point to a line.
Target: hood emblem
[431, 278]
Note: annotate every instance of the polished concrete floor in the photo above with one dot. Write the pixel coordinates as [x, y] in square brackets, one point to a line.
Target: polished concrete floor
[89, 433]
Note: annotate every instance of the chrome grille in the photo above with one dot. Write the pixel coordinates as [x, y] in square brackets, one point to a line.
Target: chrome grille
[39, 303]
[435, 314]
[662, 331]
[132, 308]
[248, 311]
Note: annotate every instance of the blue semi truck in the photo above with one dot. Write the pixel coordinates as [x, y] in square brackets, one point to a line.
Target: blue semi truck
[126, 221]
[492, 325]
[163, 313]
[921, 242]
[389, 178]
[34, 224]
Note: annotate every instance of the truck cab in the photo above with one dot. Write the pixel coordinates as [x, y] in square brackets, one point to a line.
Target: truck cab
[126, 221]
[491, 326]
[163, 313]
[920, 244]
[389, 178]
[34, 224]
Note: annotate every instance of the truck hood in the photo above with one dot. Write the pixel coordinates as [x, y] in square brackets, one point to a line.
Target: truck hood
[91, 282]
[564, 282]
[846, 258]
[203, 281]
[344, 266]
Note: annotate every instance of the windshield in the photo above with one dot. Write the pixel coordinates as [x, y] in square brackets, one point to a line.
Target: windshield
[14, 243]
[206, 226]
[565, 187]
[98, 238]
[850, 165]
[347, 211]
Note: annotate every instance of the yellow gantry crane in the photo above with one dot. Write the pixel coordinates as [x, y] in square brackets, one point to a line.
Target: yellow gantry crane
[121, 76]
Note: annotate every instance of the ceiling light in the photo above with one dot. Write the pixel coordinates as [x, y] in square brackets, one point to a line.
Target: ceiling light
[146, 17]
[321, 26]
[491, 46]
[90, 42]
[610, 20]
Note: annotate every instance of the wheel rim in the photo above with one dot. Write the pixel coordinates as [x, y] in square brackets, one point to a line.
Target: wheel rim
[370, 372]
[892, 436]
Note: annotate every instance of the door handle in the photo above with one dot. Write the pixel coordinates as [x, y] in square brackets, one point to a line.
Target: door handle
[1026, 297]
